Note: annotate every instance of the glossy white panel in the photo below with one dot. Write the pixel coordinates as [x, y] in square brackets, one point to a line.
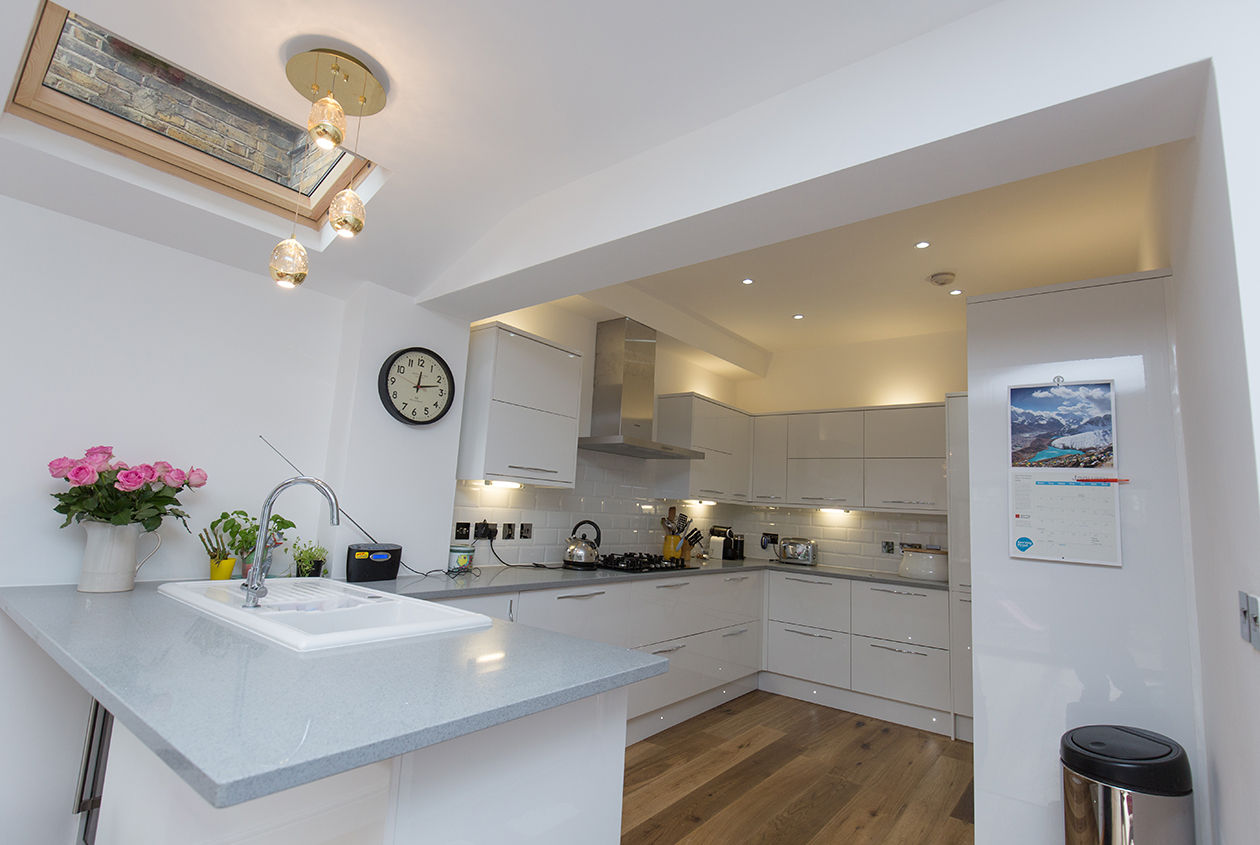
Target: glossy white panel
[834, 434]
[960, 652]
[958, 486]
[530, 445]
[597, 613]
[825, 482]
[769, 459]
[499, 606]
[536, 375]
[811, 654]
[911, 673]
[902, 613]
[809, 600]
[907, 484]
[1061, 645]
[905, 433]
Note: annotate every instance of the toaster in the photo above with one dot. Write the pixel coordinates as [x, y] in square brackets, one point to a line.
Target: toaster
[797, 550]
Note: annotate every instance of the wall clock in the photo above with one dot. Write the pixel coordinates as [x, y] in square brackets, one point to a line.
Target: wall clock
[416, 386]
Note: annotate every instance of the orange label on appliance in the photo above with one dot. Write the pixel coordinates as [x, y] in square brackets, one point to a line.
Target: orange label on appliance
[360, 555]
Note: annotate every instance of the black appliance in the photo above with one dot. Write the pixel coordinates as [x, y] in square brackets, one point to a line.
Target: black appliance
[640, 562]
[372, 562]
[732, 543]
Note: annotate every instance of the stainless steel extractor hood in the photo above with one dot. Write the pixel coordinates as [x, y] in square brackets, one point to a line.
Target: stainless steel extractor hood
[625, 394]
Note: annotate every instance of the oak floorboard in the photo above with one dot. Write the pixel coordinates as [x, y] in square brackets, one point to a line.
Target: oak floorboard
[771, 769]
[666, 789]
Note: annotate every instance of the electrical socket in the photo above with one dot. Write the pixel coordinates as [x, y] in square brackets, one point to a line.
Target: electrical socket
[462, 530]
[888, 547]
[527, 531]
[769, 538]
[509, 531]
[486, 530]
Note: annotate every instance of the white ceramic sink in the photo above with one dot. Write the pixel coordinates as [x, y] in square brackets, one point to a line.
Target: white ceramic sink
[306, 614]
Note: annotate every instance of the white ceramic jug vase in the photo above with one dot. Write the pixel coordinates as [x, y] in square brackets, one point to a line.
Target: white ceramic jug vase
[109, 559]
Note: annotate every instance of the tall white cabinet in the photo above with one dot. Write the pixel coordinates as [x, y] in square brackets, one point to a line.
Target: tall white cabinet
[959, 494]
[521, 398]
[723, 433]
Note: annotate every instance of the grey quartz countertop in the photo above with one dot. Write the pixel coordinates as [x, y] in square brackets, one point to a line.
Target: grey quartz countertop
[510, 579]
[239, 717]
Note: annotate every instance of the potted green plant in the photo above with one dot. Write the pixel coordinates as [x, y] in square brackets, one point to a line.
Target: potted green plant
[222, 561]
[240, 534]
[308, 558]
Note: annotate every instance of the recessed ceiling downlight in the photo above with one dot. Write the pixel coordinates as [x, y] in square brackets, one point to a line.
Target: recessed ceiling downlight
[746, 282]
[956, 292]
[922, 245]
[798, 316]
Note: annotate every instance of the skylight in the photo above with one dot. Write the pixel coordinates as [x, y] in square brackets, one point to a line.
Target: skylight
[84, 80]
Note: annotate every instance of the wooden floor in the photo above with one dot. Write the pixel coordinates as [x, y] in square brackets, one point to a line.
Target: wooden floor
[765, 768]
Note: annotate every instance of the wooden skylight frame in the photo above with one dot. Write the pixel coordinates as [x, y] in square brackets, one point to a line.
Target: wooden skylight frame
[34, 101]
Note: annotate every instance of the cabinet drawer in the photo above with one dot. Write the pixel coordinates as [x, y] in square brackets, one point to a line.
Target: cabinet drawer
[669, 608]
[810, 600]
[697, 663]
[501, 606]
[905, 614]
[837, 434]
[912, 673]
[536, 375]
[733, 597]
[825, 482]
[812, 654]
[905, 483]
[905, 433]
[525, 444]
[593, 613]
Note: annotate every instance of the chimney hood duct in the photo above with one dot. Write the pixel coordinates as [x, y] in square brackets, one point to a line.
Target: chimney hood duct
[622, 403]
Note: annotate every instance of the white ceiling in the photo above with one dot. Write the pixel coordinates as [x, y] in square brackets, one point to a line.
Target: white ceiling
[867, 281]
[491, 103]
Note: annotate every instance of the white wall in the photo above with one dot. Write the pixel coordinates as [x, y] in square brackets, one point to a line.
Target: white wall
[1061, 645]
[1217, 420]
[900, 371]
[108, 339]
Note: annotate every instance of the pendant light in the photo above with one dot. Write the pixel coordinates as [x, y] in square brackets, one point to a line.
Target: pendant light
[346, 213]
[327, 121]
[289, 264]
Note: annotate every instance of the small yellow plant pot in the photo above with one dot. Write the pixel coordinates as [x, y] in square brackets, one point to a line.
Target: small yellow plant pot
[221, 570]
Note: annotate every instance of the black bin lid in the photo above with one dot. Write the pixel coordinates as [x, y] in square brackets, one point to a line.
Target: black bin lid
[1128, 758]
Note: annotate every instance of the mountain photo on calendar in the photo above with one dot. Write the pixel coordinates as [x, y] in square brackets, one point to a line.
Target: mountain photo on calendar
[1063, 425]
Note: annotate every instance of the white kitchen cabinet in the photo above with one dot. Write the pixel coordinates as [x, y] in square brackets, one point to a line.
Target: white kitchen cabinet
[958, 488]
[498, 606]
[825, 482]
[904, 484]
[902, 613]
[810, 600]
[521, 397]
[668, 608]
[593, 611]
[733, 597]
[819, 655]
[915, 432]
[724, 435]
[960, 652]
[697, 663]
[769, 459]
[899, 671]
[832, 434]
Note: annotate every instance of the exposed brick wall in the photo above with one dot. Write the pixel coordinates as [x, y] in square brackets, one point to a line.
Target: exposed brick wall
[98, 68]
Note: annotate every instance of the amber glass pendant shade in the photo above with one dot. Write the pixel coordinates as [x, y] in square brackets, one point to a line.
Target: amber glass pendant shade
[288, 263]
[327, 123]
[346, 213]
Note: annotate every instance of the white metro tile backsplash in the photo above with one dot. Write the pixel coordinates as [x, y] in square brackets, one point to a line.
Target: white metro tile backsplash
[615, 492]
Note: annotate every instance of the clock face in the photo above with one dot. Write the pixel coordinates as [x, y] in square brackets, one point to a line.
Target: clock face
[416, 386]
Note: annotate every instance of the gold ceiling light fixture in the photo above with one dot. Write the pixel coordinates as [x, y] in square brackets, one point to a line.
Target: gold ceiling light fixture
[326, 126]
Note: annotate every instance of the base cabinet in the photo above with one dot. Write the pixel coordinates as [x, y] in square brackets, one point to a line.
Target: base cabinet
[698, 663]
[902, 672]
[593, 612]
[811, 654]
[498, 606]
[960, 653]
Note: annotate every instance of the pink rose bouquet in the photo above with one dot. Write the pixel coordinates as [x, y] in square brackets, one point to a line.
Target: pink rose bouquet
[107, 490]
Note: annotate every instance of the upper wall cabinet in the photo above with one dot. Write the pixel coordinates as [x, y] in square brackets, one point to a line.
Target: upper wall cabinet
[905, 432]
[521, 398]
[833, 434]
[723, 434]
[769, 459]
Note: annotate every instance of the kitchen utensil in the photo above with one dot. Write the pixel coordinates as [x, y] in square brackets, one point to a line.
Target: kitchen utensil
[925, 564]
[694, 537]
[582, 553]
[681, 524]
[799, 550]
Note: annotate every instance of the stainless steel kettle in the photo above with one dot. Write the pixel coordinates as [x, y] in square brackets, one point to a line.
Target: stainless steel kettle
[581, 552]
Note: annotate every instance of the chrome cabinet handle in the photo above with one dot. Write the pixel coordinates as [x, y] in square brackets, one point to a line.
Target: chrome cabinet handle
[672, 586]
[735, 633]
[824, 498]
[534, 469]
[905, 502]
[511, 610]
[719, 492]
[738, 578]
[807, 634]
[671, 649]
[582, 595]
[898, 592]
[803, 581]
[898, 650]
[967, 601]
[759, 496]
